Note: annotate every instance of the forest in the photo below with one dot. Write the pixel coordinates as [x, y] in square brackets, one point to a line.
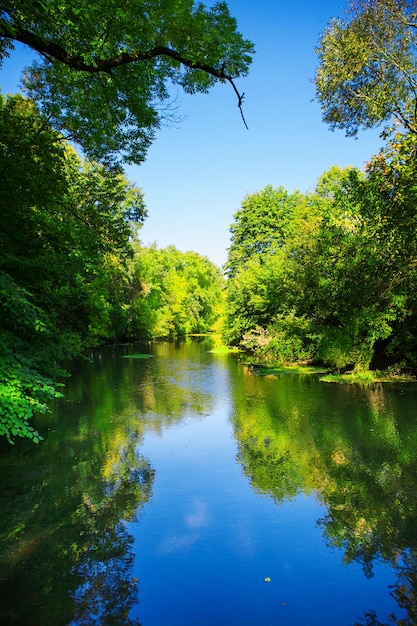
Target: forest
[329, 277]
[73, 271]
[325, 277]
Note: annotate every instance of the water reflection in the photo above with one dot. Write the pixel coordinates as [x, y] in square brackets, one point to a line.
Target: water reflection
[69, 505]
[360, 459]
[107, 589]
[65, 554]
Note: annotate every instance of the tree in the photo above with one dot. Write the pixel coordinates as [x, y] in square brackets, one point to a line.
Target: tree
[104, 70]
[271, 235]
[332, 278]
[341, 288]
[64, 245]
[367, 73]
[173, 293]
[260, 226]
[61, 216]
[363, 272]
[389, 199]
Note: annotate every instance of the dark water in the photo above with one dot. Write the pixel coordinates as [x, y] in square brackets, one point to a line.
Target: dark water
[184, 490]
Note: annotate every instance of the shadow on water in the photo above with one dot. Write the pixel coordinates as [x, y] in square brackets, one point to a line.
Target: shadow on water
[66, 552]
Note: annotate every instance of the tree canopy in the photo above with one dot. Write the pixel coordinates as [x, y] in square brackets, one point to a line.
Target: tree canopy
[260, 226]
[367, 73]
[174, 293]
[338, 287]
[103, 71]
[65, 224]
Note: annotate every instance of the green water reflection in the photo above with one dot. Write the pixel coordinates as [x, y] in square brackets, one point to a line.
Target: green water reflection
[65, 553]
[64, 550]
[355, 448]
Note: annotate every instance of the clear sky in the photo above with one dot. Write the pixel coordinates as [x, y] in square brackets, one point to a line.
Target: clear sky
[197, 174]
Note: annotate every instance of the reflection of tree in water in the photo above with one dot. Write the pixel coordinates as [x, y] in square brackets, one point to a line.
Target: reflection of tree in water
[103, 565]
[65, 553]
[360, 459]
[106, 590]
[372, 509]
[155, 392]
[404, 591]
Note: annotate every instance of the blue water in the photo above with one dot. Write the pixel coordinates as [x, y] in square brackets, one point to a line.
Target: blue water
[184, 490]
[206, 542]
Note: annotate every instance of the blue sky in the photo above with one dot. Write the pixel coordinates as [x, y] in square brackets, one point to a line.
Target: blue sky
[197, 174]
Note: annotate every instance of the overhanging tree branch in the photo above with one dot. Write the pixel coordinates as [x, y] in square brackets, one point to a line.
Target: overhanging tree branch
[97, 65]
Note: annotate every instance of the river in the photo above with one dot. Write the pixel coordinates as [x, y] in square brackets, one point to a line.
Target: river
[182, 489]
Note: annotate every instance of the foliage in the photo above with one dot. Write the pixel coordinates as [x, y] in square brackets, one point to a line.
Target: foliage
[104, 70]
[24, 389]
[65, 222]
[64, 246]
[176, 293]
[264, 272]
[268, 234]
[367, 73]
[340, 287]
[260, 226]
[369, 377]
[288, 339]
[300, 370]
[254, 294]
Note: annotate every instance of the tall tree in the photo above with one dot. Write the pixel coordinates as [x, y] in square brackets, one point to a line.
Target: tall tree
[271, 235]
[260, 226]
[105, 67]
[64, 233]
[367, 73]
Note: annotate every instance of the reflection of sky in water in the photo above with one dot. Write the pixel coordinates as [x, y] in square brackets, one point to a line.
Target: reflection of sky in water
[218, 465]
[205, 543]
[196, 519]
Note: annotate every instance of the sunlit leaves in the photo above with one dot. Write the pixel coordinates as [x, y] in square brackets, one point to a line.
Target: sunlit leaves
[24, 391]
[177, 293]
[367, 73]
[106, 69]
[333, 279]
[260, 226]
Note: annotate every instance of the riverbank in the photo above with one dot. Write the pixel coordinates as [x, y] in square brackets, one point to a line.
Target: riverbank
[361, 377]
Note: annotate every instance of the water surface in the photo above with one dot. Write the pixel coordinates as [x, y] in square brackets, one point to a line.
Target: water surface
[183, 489]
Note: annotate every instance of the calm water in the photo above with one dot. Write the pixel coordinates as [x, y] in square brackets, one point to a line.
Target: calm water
[184, 490]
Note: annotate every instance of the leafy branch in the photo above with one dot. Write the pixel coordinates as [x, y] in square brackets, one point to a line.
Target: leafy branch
[53, 51]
